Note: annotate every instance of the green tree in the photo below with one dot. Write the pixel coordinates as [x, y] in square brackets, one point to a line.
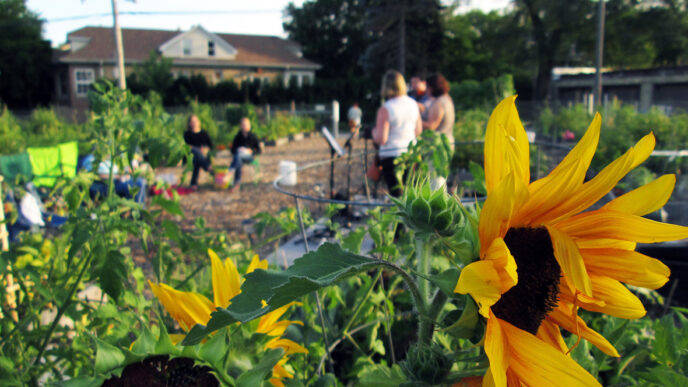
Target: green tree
[481, 45]
[25, 58]
[154, 74]
[555, 26]
[331, 33]
[406, 36]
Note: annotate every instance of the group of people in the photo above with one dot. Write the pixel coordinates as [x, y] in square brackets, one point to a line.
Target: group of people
[403, 117]
[244, 147]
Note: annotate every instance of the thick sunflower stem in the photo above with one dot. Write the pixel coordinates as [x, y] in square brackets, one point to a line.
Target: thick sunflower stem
[423, 249]
[425, 323]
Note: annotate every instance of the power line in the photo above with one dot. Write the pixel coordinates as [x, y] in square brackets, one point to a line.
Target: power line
[167, 13]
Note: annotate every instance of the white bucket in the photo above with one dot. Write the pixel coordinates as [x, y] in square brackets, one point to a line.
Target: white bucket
[287, 170]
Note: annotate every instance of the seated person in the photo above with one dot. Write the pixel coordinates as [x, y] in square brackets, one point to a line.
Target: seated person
[200, 143]
[244, 147]
[123, 184]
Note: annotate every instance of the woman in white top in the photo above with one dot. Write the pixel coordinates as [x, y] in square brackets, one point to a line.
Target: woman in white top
[397, 126]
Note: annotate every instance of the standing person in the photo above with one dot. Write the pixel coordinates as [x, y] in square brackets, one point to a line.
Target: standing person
[354, 115]
[244, 147]
[419, 92]
[398, 124]
[441, 114]
[200, 143]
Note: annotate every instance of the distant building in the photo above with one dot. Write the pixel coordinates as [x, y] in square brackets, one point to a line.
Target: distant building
[665, 87]
[90, 54]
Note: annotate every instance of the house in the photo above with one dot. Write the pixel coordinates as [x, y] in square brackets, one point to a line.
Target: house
[90, 54]
[665, 87]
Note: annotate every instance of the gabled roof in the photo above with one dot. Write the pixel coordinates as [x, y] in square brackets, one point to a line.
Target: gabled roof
[209, 35]
[252, 50]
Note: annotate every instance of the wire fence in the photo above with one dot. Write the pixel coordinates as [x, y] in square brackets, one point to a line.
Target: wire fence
[342, 180]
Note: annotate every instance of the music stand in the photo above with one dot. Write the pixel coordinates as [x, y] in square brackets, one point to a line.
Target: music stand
[335, 149]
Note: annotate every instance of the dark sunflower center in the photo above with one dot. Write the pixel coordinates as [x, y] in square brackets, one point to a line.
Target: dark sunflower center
[526, 304]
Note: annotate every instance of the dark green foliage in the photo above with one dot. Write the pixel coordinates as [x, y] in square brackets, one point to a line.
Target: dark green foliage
[25, 58]
[427, 365]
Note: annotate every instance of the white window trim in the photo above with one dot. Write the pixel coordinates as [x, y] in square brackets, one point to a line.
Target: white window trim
[87, 82]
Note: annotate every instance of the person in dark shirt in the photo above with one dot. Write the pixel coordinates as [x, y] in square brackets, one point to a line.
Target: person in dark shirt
[244, 147]
[200, 144]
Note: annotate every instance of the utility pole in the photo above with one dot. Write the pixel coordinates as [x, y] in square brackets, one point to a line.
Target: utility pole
[599, 50]
[119, 47]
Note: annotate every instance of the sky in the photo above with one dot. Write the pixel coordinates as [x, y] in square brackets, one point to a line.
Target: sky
[257, 17]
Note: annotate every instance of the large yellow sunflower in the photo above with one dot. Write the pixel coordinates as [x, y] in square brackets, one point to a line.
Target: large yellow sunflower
[189, 309]
[542, 257]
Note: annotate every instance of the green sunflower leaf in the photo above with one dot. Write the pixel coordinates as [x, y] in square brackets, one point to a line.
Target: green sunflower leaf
[446, 281]
[315, 270]
[108, 357]
[258, 373]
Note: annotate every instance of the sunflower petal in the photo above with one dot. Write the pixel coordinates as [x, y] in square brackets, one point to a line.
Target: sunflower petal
[222, 290]
[486, 280]
[550, 333]
[599, 243]
[279, 371]
[549, 192]
[626, 266]
[539, 364]
[608, 224]
[267, 322]
[276, 382]
[187, 308]
[570, 260]
[506, 146]
[646, 199]
[287, 345]
[593, 190]
[564, 317]
[618, 301]
[498, 209]
[496, 350]
[257, 263]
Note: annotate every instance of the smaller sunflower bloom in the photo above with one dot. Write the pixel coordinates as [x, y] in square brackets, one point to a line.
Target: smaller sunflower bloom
[543, 255]
[190, 308]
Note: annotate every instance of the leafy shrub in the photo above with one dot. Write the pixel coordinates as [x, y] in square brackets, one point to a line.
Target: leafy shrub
[471, 94]
[234, 113]
[282, 125]
[11, 138]
[470, 126]
[622, 127]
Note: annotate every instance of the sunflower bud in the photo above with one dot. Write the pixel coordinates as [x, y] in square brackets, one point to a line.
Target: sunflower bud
[429, 212]
[426, 365]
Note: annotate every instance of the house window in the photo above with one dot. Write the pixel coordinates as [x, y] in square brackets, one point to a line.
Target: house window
[211, 48]
[186, 47]
[83, 80]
